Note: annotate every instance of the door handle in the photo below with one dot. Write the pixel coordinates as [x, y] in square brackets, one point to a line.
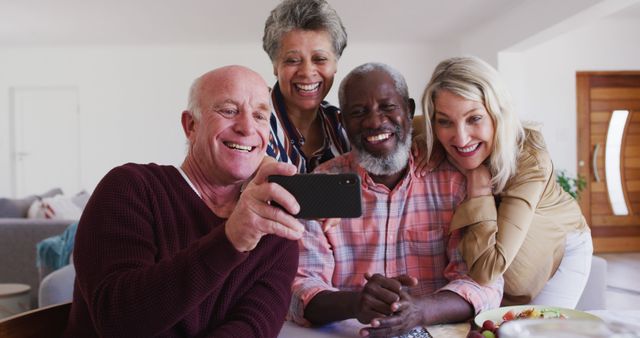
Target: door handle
[594, 162]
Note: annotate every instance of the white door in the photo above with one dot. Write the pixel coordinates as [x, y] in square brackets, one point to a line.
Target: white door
[45, 140]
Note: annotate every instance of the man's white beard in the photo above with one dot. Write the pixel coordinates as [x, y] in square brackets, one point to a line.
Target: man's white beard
[388, 165]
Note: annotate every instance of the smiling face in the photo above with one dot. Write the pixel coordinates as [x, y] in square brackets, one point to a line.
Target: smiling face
[305, 67]
[464, 128]
[229, 139]
[378, 121]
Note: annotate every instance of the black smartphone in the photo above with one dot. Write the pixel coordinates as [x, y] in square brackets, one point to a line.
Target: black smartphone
[324, 195]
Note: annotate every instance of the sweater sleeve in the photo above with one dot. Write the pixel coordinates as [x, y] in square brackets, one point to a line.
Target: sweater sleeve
[261, 311]
[493, 237]
[128, 292]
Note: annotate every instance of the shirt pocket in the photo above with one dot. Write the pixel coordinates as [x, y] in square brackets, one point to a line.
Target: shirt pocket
[424, 252]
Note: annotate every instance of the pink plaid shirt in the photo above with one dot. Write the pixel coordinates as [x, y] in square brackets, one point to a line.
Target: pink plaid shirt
[401, 231]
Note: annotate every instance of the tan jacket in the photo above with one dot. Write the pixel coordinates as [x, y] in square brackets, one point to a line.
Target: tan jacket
[524, 238]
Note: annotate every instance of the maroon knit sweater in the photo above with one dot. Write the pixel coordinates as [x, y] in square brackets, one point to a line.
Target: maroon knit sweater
[152, 260]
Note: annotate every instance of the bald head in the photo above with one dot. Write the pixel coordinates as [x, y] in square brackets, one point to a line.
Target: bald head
[227, 123]
[220, 78]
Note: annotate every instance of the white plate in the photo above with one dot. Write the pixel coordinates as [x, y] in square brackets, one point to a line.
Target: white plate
[496, 314]
[556, 328]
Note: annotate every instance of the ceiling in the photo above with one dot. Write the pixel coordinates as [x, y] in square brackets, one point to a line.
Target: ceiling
[71, 22]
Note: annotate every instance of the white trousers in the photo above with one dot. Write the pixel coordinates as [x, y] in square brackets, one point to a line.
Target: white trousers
[565, 287]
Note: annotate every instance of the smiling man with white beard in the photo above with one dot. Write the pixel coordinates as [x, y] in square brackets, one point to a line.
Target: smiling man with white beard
[383, 165]
[397, 267]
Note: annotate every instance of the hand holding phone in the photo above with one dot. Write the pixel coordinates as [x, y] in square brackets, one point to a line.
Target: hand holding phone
[324, 195]
[253, 217]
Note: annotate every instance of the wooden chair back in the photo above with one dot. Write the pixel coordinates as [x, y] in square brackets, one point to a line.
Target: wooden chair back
[48, 321]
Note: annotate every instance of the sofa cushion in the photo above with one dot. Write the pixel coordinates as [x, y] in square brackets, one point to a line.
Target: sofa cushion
[15, 208]
[81, 199]
[56, 207]
[18, 208]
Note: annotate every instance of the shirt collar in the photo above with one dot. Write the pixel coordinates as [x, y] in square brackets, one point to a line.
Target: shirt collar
[368, 183]
[186, 178]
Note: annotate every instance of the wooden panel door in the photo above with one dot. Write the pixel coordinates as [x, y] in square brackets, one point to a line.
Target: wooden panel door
[610, 102]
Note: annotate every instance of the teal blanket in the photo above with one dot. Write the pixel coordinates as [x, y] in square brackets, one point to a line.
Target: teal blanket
[54, 252]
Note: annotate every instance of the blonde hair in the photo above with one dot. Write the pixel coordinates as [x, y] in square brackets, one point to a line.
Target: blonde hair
[476, 80]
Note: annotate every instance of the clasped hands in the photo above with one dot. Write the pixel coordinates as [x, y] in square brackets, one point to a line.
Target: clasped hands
[387, 307]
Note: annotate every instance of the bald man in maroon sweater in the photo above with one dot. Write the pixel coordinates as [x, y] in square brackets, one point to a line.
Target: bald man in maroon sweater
[164, 251]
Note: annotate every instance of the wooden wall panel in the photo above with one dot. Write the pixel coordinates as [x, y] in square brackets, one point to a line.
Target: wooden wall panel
[616, 244]
[614, 104]
[610, 94]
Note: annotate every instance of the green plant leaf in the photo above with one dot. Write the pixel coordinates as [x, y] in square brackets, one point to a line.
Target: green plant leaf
[572, 185]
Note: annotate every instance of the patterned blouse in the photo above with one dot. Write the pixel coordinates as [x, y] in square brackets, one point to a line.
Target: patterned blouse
[285, 141]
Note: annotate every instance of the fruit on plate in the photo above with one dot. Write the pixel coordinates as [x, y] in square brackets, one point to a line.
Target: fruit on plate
[509, 315]
[532, 313]
[489, 329]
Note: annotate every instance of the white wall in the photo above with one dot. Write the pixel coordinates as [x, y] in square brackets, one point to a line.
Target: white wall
[414, 61]
[131, 97]
[542, 78]
[532, 20]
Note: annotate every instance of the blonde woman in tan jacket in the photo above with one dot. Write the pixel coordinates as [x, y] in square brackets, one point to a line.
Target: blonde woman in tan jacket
[518, 221]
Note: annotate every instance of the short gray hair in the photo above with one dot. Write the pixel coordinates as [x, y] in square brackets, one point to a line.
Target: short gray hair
[193, 105]
[310, 15]
[364, 69]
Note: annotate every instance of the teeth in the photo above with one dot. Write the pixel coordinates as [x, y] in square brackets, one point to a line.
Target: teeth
[238, 146]
[379, 137]
[468, 149]
[308, 87]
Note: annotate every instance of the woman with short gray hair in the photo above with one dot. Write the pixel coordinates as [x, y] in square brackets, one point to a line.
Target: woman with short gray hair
[304, 40]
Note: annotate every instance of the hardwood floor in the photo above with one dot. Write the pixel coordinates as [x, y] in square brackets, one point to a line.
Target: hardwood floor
[623, 280]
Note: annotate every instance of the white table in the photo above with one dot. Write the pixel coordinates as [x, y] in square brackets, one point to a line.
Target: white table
[350, 328]
[625, 321]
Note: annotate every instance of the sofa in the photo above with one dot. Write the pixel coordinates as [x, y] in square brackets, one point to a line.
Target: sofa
[26, 221]
[18, 239]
